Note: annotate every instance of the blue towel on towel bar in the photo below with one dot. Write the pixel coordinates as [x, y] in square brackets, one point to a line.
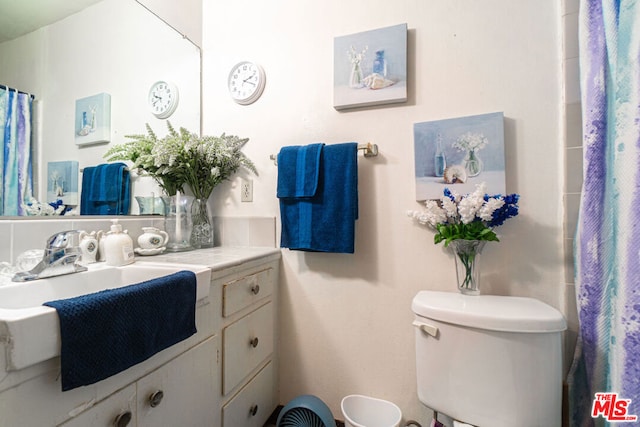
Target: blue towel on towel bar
[105, 190]
[324, 222]
[109, 331]
[302, 166]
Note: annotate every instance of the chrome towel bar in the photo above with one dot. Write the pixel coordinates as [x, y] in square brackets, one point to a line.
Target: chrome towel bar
[369, 149]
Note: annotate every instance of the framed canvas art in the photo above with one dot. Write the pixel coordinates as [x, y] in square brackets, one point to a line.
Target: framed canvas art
[459, 153]
[62, 182]
[93, 119]
[370, 68]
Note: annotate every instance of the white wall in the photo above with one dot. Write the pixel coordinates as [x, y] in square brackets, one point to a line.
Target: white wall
[117, 47]
[346, 319]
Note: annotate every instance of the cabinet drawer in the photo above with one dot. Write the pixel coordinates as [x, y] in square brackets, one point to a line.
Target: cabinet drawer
[247, 342]
[253, 405]
[242, 292]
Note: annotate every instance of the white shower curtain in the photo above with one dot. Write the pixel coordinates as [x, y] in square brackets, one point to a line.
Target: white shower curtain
[608, 235]
[16, 153]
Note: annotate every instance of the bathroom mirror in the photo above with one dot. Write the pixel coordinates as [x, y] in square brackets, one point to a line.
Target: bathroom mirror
[117, 47]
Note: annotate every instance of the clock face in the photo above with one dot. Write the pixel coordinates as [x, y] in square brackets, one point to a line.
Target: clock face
[163, 99]
[246, 82]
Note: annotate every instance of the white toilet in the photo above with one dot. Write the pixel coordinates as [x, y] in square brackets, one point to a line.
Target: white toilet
[488, 360]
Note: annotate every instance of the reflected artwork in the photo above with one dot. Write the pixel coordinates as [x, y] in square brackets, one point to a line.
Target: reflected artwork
[93, 119]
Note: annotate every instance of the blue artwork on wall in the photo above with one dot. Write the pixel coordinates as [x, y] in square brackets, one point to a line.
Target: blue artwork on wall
[370, 68]
[459, 153]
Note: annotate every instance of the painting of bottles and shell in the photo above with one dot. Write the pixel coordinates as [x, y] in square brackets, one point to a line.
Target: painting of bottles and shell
[62, 182]
[458, 154]
[370, 68]
[93, 119]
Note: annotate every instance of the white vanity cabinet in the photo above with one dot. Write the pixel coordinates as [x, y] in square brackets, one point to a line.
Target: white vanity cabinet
[249, 344]
[223, 376]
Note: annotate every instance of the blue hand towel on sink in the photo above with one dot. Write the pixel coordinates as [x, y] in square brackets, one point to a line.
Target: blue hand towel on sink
[324, 222]
[109, 331]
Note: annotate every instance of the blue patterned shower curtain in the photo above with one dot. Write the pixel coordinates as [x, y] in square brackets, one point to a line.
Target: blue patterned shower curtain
[15, 156]
[608, 236]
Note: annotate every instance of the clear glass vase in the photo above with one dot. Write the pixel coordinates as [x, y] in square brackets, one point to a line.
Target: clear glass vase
[202, 234]
[178, 223]
[355, 79]
[472, 163]
[467, 259]
[150, 205]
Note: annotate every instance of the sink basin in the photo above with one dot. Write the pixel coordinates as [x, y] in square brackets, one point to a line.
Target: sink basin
[31, 331]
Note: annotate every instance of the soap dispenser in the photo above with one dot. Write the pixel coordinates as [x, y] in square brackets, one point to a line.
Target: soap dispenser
[118, 246]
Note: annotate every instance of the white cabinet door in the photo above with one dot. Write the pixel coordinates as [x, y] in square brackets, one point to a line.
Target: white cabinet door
[183, 392]
[117, 410]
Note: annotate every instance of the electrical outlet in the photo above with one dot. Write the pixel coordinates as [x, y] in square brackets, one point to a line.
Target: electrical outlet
[246, 191]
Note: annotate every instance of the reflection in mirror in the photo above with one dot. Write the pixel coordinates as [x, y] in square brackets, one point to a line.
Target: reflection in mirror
[115, 47]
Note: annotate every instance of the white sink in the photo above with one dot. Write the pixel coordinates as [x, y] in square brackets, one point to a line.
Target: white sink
[31, 331]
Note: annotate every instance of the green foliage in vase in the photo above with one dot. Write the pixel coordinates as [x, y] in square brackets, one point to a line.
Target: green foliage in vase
[182, 158]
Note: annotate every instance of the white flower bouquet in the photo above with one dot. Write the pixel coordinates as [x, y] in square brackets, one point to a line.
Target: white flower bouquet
[469, 217]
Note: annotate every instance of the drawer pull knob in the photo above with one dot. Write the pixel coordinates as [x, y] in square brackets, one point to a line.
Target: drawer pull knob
[253, 410]
[255, 289]
[254, 342]
[156, 398]
[123, 419]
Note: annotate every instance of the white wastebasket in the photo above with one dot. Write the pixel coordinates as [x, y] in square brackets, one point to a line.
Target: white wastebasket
[364, 411]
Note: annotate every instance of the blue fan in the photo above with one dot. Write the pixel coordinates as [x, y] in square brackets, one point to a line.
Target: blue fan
[306, 411]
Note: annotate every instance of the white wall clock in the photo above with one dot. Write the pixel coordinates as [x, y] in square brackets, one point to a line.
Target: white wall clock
[163, 99]
[246, 82]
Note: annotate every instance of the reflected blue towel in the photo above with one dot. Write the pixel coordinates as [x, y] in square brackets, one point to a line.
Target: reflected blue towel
[109, 331]
[105, 190]
[326, 221]
[300, 166]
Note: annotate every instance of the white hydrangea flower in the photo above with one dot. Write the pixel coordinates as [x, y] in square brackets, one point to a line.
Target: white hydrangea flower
[434, 214]
[487, 210]
[449, 207]
[470, 205]
[420, 217]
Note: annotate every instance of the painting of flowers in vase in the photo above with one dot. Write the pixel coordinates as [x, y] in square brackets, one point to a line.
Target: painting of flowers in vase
[458, 154]
[370, 68]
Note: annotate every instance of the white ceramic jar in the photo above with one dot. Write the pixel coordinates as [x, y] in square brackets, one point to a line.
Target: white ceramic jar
[152, 238]
[118, 246]
[88, 247]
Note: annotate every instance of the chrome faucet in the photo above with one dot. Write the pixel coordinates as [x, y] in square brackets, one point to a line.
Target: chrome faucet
[61, 256]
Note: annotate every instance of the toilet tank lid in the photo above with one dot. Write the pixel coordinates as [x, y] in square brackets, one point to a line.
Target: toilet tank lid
[490, 312]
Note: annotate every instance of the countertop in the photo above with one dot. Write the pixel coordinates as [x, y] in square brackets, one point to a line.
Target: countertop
[218, 258]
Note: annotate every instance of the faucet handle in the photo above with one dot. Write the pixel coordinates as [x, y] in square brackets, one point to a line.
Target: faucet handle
[62, 239]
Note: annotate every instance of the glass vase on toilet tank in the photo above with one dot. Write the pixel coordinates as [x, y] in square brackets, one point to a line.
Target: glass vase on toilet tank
[466, 223]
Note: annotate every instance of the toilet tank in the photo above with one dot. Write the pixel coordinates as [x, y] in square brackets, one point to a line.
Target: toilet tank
[489, 360]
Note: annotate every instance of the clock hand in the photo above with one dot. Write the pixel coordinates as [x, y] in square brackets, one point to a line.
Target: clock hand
[250, 77]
